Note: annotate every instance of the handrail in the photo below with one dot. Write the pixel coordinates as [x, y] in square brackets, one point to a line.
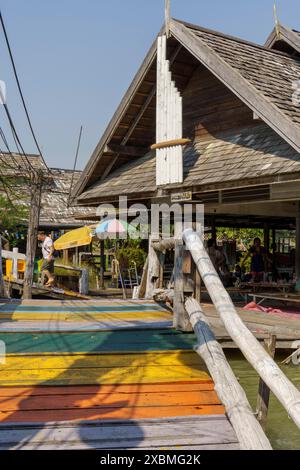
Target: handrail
[265, 366]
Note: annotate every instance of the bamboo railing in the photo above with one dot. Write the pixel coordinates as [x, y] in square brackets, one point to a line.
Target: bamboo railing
[238, 409]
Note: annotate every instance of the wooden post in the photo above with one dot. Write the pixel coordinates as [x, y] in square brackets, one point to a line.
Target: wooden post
[1, 272]
[15, 263]
[230, 392]
[265, 366]
[153, 269]
[102, 264]
[267, 236]
[263, 398]
[141, 292]
[180, 319]
[33, 226]
[274, 241]
[84, 282]
[297, 257]
[213, 228]
[167, 17]
[197, 284]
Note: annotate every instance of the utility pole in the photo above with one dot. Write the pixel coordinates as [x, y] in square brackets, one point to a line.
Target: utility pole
[33, 226]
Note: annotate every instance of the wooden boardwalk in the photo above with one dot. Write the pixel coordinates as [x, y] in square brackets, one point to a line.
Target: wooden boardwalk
[104, 374]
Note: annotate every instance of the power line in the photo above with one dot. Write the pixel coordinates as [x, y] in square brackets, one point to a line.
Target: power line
[75, 164]
[16, 137]
[20, 90]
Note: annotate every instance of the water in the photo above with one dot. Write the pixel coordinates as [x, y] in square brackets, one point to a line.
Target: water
[281, 430]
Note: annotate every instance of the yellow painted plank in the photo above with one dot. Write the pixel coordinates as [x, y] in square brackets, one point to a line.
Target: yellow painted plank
[65, 316]
[79, 360]
[106, 369]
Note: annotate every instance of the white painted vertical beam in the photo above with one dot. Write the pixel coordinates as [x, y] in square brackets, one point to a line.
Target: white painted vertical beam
[168, 120]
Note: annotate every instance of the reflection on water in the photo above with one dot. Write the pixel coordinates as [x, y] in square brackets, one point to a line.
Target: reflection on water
[281, 430]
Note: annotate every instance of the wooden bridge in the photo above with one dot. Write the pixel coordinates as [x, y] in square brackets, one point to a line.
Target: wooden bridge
[117, 374]
[134, 382]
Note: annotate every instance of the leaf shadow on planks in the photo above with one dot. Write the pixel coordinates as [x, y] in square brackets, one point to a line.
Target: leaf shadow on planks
[48, 402]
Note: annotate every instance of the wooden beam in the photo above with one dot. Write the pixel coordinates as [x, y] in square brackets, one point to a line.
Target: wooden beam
[297, 258]
[126, 150]
[263, 398]
[241, 87]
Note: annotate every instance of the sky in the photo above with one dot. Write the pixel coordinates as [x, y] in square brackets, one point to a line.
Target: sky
[76, 59]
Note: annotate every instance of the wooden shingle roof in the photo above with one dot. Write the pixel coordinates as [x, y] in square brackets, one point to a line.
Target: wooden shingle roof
[260, 77]
[55, 211]
[241, 156]
[284, 39]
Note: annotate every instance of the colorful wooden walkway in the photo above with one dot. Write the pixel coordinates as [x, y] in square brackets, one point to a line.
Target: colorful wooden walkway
[132, 382]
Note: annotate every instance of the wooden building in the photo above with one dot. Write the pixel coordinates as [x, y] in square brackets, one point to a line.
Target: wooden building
[241, 112]
[56, 213]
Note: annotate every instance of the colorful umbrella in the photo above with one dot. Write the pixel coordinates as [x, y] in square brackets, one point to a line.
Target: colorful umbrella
[78, 237]
[114, 226]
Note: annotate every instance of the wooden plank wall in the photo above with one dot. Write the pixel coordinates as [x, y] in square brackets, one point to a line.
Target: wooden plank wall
[209, 107]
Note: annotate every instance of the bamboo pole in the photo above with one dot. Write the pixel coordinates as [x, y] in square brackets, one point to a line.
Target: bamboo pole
[266, 367]
[248, 430]
[164, 245]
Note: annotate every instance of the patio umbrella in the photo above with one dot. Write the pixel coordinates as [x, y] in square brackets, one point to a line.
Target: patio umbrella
[115, 226]
[78, 237]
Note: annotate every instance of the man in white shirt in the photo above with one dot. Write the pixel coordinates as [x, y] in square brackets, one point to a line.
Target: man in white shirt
[48, 258]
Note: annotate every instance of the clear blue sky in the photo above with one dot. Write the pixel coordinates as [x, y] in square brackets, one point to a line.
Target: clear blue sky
[76, 58]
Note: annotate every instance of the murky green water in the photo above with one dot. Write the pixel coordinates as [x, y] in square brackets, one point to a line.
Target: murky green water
[281, 430]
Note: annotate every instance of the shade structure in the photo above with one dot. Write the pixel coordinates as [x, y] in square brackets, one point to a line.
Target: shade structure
[79, 237]
[115, 226]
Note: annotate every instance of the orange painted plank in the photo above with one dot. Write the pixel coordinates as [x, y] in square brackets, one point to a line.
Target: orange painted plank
[116, 400]
[110, 413]
[185, 386]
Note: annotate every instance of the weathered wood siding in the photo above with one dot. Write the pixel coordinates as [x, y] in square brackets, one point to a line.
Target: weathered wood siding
[209, 107]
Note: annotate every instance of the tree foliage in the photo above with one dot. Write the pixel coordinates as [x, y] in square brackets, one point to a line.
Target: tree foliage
[12, 215]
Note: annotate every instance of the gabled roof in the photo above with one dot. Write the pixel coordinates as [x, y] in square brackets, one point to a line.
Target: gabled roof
[284, 39]
[260, 77]
[242, 155]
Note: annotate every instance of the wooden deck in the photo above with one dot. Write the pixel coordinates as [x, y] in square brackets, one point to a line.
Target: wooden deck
[104, 374]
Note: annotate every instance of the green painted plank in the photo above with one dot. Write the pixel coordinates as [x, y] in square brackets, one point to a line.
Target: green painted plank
[103, 341]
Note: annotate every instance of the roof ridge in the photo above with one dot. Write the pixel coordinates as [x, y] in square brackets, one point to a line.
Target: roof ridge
[233, 38]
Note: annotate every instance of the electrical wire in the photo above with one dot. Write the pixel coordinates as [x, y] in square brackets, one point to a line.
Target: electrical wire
[20, 91]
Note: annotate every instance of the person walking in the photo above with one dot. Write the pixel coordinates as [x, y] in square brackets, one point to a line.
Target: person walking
[48, 258]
